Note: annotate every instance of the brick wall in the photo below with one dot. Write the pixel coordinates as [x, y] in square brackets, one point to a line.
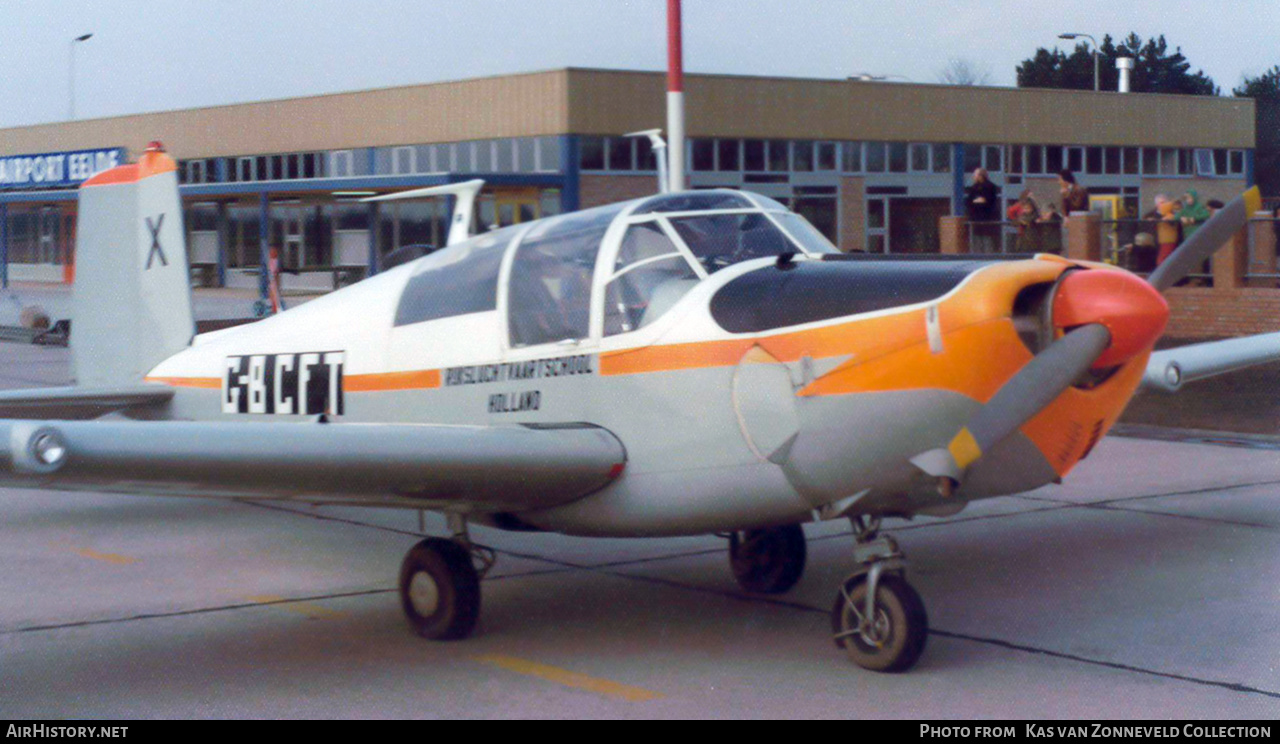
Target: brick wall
[853, 215]
[1203, 311]
[596, 191]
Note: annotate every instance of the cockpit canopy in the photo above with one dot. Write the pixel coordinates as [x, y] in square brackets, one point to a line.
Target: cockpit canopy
[640, 257]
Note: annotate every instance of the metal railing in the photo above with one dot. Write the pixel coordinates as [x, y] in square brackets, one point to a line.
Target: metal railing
[1136, 245]
[1128, 243]
[1260, 266]
[1015, 237]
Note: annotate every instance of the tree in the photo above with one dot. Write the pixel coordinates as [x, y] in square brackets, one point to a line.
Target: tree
[1265, 91]
[1265, 86]
[1155, 70]
[961, 71]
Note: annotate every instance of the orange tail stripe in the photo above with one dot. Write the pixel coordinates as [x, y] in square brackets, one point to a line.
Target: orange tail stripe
[151, 164]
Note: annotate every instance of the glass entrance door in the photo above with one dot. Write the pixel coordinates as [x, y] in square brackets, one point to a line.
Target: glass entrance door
[295, 254]
[289, 234]
[50, 249]
[877, 224]
[515, 207]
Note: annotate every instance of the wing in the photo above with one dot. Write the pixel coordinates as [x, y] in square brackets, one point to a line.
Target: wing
[472, 468]
[80, 402]
[1168, 370]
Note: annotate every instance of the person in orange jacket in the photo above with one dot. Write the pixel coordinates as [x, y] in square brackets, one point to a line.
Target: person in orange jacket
[1168, 229]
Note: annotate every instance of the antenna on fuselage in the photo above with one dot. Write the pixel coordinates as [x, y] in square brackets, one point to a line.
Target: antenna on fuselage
[659, 147]
[466, 193]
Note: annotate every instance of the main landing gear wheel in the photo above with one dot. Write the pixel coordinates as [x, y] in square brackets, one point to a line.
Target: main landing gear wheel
[768, 561]
[891, 637]
[440, 590]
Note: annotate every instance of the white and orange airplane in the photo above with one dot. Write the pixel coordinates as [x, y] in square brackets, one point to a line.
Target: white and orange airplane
[694, 362]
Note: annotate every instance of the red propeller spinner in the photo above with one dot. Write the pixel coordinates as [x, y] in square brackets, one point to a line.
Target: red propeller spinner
[1132, 311]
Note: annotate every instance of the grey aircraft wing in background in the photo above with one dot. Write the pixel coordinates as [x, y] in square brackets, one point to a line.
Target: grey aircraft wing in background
[1169, 370]
[80, 402]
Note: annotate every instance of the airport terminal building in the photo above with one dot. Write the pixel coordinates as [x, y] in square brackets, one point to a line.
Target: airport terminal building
[873, 165]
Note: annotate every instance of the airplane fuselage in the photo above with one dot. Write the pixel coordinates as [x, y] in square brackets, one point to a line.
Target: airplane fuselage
[773, 389]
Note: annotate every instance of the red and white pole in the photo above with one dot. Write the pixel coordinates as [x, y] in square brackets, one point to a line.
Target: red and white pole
[675, 98]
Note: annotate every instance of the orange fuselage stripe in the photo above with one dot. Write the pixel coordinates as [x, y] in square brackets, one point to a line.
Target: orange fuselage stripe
[988, 295]
[425, 379]
[191, 382]
[415, 380]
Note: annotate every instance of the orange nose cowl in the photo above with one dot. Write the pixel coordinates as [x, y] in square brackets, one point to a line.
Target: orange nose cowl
[1130, 308]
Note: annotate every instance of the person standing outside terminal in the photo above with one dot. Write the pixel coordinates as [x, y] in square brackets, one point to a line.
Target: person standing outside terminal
[1075, 198]
[982, 203]
[1168, 228]
[1192, 213]
[1024, 213]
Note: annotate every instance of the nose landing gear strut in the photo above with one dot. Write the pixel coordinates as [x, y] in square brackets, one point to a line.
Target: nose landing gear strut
[878, 618]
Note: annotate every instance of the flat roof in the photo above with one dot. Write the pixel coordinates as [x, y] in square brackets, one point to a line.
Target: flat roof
[600, 101]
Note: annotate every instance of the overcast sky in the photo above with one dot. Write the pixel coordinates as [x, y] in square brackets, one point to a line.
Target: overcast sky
[156, 55]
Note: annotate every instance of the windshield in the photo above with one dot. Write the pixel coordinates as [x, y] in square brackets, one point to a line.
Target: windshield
[805, 234]
[720, 240]
[694, 201]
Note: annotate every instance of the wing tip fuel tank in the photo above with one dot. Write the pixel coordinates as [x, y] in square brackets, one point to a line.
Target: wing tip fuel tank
[520, 467]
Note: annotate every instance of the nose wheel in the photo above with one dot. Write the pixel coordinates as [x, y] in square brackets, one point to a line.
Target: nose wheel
[878, 618]
[768, 561]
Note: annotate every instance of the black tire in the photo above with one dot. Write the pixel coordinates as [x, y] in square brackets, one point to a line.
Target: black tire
[901, 619]
[440, 590]
[768, 561]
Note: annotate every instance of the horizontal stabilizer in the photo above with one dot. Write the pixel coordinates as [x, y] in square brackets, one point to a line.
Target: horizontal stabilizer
[463, 468]
[466, 193]
[1169, 370]
[79, 402]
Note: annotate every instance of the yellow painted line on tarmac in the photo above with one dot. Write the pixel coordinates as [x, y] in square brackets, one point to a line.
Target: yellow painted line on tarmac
[112, 558]
[569, 679]
[309, 610]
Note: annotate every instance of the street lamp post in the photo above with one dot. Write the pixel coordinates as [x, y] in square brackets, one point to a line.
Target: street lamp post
[1095, 54]
[71, 76]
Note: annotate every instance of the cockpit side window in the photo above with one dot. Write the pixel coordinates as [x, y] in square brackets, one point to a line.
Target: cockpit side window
[650, 275]
[457, 280]
[721, 240]
[549, 295]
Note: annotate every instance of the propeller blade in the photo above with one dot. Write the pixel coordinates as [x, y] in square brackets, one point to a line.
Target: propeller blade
[1035, 386]
[1207, 240]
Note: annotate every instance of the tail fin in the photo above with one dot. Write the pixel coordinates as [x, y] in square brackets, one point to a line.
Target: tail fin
[131, 304]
